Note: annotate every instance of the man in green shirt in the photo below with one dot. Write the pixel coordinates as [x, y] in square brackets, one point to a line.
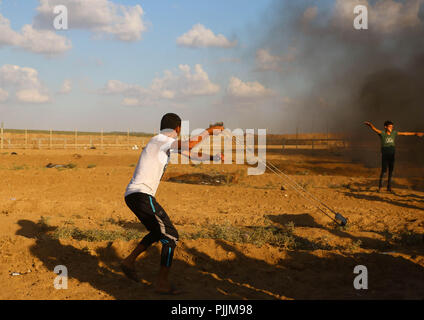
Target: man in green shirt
[388, 138]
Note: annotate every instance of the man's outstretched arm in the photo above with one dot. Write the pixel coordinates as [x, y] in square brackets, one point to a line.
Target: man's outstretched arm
[369, 124]
[190, 144]
[199, 156]
[418, 134]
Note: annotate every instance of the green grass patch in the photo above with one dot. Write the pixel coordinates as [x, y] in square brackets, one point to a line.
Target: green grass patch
[96, 235]
[16, 167]
[257, 235]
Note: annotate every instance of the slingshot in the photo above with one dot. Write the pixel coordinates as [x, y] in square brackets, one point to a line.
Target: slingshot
[321, 206]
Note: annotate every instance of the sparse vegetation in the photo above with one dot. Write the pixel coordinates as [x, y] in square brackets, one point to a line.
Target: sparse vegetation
[43, 223]
[21, 167]
[257, 235]
[94, 235]
[408, 238]
[90, 166]
[354, 245]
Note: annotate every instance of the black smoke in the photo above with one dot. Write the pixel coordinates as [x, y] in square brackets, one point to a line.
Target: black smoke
[342, 77]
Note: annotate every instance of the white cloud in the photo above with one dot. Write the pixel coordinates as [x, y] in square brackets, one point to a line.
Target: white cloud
[32, 96]
[25, 82]
[102, 17]
[187, 83]
[201, 37]
[385, 16]
[239, 89]
[130, 102]
[266, 61]
[309, 14]
[3, 95]
[38, 41]
[117, 87]
[66, 87]
[229, 60]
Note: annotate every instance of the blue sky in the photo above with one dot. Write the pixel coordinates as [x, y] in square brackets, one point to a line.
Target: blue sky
[114, 68]
[92, 62]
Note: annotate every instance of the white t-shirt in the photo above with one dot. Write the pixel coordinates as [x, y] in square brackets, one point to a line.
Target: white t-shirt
[150, 167]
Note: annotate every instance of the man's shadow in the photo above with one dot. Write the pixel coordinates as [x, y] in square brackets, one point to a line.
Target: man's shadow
[81, 264]
[361, 191]
[306, 275]
[102, 270]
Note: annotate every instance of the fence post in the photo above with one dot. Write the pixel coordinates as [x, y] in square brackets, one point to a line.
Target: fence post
[101, 140]
[76, 133]
[26, 138]
[297, 136]
[2, 135]
[328, 136]
[128, 138]
[51, 139]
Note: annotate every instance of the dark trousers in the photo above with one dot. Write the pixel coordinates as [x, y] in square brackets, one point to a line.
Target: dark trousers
[157, 222]
[387, 162]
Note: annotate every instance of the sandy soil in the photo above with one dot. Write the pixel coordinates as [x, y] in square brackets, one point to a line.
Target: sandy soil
[385, 231]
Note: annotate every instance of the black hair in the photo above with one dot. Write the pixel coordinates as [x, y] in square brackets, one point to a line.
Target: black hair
[170, 121]
[387, 123]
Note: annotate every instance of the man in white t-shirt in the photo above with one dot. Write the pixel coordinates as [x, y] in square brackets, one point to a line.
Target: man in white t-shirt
[140, 195]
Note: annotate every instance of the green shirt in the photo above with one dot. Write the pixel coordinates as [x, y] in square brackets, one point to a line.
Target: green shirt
[388, 141]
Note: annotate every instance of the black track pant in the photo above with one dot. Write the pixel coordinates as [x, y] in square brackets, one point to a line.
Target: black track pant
[387, 162]
[155, 219]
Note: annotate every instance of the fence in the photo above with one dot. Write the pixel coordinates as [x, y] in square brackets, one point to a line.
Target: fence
[36, 139]
[25, 139]
[315, 143]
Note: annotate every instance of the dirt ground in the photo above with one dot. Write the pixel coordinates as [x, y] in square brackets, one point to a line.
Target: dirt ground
[251, 237]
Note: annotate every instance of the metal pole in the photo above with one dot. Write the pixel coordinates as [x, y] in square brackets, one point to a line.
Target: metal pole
[297, 136]
[101, 140]
[26, 138]
[128, 138]
[51, 138]
[76, 139]
[327, 136]
[2, 136]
